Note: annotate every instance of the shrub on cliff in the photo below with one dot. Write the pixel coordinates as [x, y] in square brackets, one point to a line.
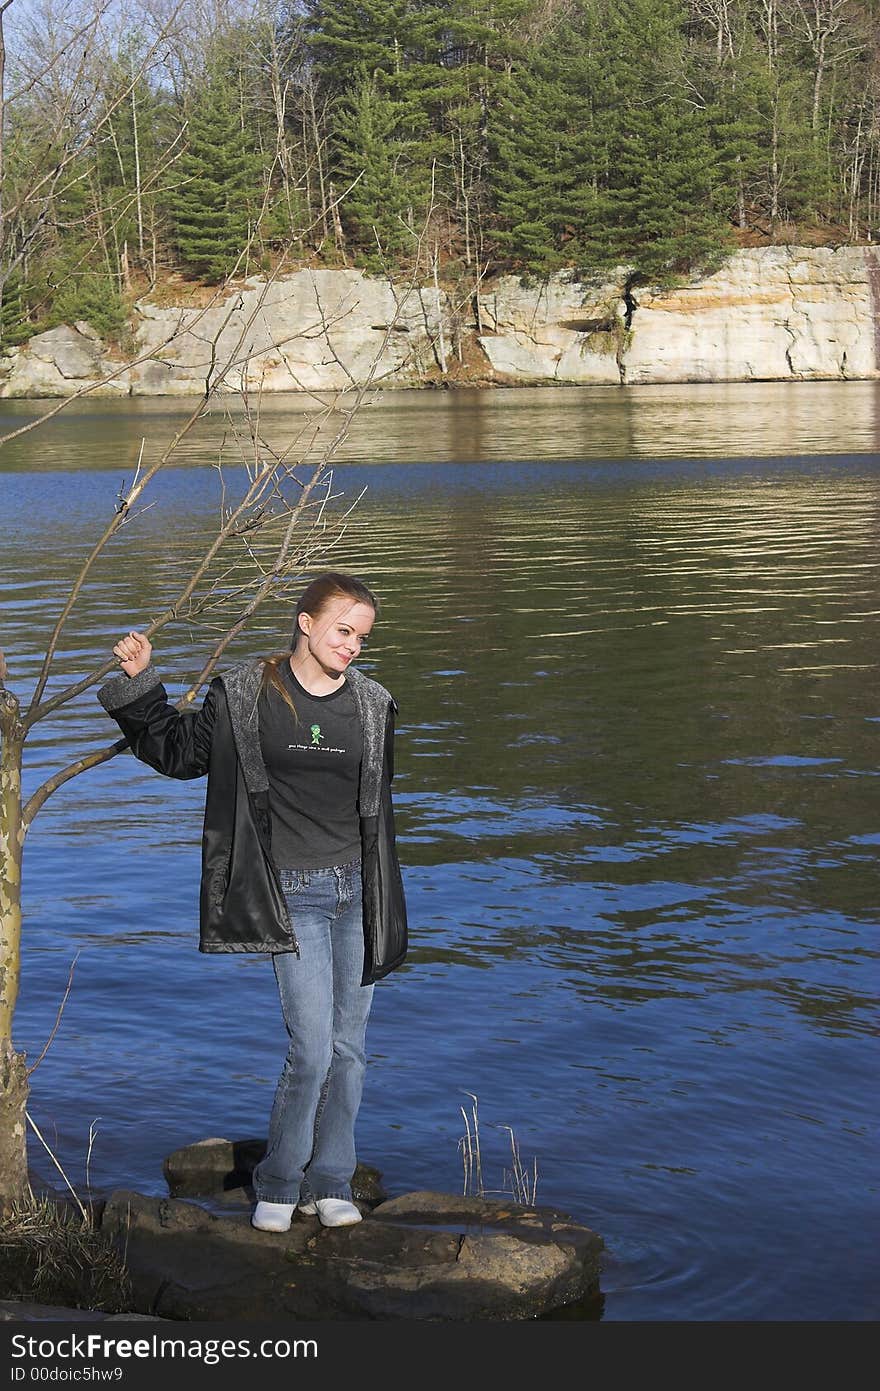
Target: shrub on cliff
[92, 296]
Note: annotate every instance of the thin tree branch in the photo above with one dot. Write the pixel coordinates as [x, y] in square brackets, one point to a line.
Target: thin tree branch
[57, 1023]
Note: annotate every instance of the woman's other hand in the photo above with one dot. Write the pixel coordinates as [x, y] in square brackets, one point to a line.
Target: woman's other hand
[134, 652]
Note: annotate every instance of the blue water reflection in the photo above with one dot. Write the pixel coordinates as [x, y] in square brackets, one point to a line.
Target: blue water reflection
[636, 796]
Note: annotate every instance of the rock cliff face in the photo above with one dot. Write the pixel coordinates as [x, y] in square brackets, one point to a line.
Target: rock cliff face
[310, 331]
[772, 314]
[769, 314]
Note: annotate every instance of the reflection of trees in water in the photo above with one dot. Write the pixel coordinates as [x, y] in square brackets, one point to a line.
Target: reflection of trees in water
[833, 1011]
[732, 421]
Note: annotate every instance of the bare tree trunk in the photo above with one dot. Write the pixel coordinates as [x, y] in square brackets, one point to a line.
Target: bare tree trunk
[338, 233]
[466, 204]
[137, 166]
[858, 160]
[817, 82]
[13, 1074]
[319, 161]
[774, 165]
[14, 1184]
[3, 8]
[279, 88]
[308, 168]
[478, 308]
[441, 340]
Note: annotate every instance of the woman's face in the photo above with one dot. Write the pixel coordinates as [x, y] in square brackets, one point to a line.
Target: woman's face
[335, 635]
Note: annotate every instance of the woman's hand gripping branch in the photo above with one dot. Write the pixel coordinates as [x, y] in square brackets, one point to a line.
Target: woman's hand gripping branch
[133, 653]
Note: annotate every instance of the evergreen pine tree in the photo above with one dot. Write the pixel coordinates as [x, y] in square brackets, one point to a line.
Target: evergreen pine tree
[735, 98]
[657, 211]
[805, 183]
[369, 55]
[389, 188]
[350, 38]
[14, 325]
[218, 181]
[657, 174]
[540, 155]
[436, 65]
[475, 44]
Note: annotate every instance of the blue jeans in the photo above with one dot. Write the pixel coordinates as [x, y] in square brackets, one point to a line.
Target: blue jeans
[310, 1151]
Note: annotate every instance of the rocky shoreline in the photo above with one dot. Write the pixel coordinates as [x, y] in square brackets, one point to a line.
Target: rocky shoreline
[779, 313]
[194, 1256]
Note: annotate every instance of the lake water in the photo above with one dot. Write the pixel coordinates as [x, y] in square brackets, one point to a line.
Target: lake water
[633, 637]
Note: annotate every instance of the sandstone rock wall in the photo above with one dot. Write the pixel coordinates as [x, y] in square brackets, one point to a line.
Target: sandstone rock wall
[309, 331]
[771, 314]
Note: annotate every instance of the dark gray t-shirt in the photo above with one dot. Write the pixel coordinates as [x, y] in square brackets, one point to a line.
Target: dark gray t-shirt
[313, 762]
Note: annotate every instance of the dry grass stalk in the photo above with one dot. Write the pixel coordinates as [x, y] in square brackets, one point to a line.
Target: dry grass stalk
[51, 1254]
[518, 1181]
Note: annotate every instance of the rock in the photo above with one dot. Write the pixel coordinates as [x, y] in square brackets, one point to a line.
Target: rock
[19, 1311]
[420, 1256]
[87, 331]
[564, 331]
[215, 1166]
[311, 330]
[774, 313]
[70, 352]
[59, 362]
[771, 314]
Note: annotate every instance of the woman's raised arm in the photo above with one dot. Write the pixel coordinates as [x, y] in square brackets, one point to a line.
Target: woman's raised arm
[175, 743]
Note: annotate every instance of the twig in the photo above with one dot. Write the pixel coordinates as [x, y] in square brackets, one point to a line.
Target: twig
[478, 1158]
[32, 1123]
[55, 1026]
[465, 1144]
[92, 1133]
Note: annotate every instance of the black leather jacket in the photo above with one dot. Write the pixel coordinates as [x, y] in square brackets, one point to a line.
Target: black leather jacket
[242, 907]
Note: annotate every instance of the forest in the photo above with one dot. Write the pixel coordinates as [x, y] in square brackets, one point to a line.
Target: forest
[192, 143]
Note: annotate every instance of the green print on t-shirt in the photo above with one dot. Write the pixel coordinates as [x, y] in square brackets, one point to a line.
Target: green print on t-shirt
[314, 810]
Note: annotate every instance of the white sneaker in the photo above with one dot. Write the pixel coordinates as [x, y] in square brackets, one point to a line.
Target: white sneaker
[332, 1212]
[272, 1217]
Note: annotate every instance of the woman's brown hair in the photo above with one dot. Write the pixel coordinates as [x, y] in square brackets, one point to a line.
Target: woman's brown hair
[331, 585]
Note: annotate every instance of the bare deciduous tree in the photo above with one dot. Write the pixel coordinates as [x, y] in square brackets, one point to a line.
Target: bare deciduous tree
[277, 516]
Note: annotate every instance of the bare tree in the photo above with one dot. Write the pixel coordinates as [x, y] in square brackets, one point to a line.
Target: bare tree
[280, 520]
[831, 30]
[58, 101]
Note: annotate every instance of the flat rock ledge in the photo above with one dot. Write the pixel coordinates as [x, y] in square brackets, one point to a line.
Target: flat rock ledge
[21, 1311]
[428, 1256]
[774, 313]
[424, 1256]
[219, 1168]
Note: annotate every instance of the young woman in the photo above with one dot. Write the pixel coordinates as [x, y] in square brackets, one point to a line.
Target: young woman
[298, 860]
